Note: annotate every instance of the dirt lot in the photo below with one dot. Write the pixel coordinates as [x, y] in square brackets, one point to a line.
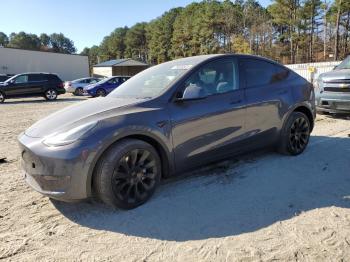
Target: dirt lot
[260, 207]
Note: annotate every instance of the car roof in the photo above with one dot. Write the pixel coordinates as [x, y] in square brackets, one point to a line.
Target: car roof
[37, 73]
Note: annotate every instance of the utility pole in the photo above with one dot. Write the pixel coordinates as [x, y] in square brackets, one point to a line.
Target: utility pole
[337, 32]
[325, 9]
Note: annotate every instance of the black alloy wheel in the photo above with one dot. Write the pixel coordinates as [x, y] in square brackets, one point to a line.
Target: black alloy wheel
[295, 134]
[101, 92]
[299, 134]
[127, 174]
[135, 176]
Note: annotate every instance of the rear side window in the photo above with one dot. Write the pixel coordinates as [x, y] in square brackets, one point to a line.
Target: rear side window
[54, 78]
[36, 78]
[259, 73]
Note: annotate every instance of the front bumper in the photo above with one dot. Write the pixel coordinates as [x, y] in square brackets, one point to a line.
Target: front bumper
[333, 102]
[59, 173]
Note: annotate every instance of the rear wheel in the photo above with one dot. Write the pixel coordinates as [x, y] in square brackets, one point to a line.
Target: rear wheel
[2, 97]
[51, 94]
[100, 92]
[78, 92]
[128, 174]
[295, 135]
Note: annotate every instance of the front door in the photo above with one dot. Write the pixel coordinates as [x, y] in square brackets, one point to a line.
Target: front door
[18, 87]
[209, 128]
[112, 84]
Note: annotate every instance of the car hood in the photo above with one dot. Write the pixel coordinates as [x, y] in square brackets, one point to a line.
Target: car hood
[335, 75]
[81, 113]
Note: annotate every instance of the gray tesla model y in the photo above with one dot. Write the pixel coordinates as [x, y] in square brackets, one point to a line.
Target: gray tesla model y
[167, 119]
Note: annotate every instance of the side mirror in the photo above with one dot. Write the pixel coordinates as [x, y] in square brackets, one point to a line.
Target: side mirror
[193, 92]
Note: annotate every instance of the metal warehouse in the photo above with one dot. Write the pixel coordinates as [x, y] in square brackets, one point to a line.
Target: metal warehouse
[119, 67]
[68, 67]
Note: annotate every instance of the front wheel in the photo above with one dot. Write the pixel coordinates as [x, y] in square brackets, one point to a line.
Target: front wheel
[2, 97]
[101, 92]
[295, 134]
[51, 94]
[127, 174]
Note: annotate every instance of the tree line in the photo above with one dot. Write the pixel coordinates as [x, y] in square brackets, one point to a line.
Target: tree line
[289, 31]
[51, 43]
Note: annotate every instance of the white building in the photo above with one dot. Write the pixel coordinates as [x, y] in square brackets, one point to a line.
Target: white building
[67, 67]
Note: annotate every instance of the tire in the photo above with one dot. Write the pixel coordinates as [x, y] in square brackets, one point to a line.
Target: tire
[127, 174]
[295, 134]
[51, 94]
[2, 98]
[101, 92]
[78, 92]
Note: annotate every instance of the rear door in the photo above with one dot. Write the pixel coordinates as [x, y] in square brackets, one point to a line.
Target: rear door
[36, 83]
[267, 96]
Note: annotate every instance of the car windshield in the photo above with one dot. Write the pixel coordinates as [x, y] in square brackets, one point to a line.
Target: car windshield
[344, 65]
[155, 80]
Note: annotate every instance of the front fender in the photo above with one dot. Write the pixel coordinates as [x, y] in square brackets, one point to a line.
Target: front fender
[161, 135]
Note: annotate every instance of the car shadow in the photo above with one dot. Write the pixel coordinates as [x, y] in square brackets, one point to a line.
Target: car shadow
[233, 197]
[344, 116]
[41, 100]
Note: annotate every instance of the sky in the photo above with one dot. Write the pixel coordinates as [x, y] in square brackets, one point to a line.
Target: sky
[85, 22]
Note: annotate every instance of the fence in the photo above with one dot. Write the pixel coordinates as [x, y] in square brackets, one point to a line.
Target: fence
[311, 71]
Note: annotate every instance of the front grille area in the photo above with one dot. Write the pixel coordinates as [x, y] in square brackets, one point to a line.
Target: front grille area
[337, 89]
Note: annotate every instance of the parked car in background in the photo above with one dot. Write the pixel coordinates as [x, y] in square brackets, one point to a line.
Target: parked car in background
[164, 121]
[105, 86]
[3, 78]
[32, 84]
[333, 89]
[76, 87]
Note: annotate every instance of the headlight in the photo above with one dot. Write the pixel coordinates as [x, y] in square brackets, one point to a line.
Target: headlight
[69, 136]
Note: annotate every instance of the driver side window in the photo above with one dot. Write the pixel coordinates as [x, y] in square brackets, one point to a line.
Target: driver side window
[21, 79]
[216, 77]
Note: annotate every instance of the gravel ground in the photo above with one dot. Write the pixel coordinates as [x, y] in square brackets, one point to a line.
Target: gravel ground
[258, 207]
